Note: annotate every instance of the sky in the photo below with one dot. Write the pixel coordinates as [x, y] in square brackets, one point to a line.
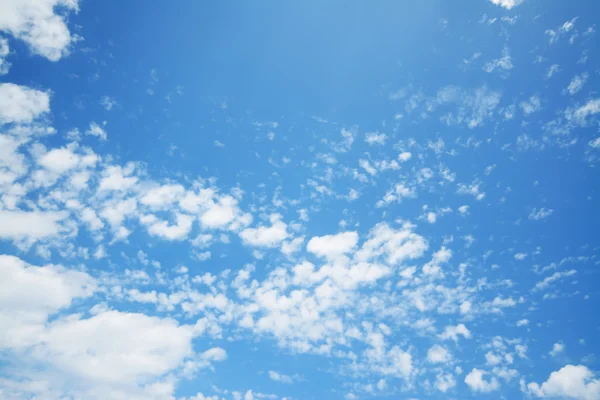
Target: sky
[299, 200]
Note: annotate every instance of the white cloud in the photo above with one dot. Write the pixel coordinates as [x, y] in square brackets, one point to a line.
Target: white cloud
[502, 63]
[177, 231]
[431, 217]
[4, 51]
[531, 105]
[477, 383]
[36, 23]
[575, 382]
[222, 213]
[332, 246]
[117, 178]
[433, 267]
[20, 104]
[397, 245]
[115, 347]
[595, 143]
[453, 332]
[59, 160]
[375, 138]
[29, 294]
[214, 354]
[162, 197]
[266, 236]
[592, 107]
[577, 83]
[520, 256]
[546, 282]
[404, 156]
[277, 377]
[96, 130]
[107, 102]
[438, 354]
[396, 194]
[508, 4]
[540, 214]
[30, 226]
[472, 189]
[444, 382]
[557, 349]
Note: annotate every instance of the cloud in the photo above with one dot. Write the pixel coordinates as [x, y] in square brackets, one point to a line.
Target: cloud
[177, 231]
[557, 349]
[332, 246]
[396, 194]
[577, 83]
[4, 51]
[21, 104]
[30, 294]
[375, 138]
[444, 382]
[115, 347]
[540, 214]
[438, 354]
[27, 227]
[36, 23]
[508, 4]
[503, 63]
[580, 115]
[96, 130]
[476, 382]
[453, 332]
[266, 236]
[214, 354]
[277, 377]
[546, 282]
[531, 105]
[575, 382]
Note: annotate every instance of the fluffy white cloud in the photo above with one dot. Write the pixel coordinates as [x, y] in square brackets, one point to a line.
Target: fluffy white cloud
[375, 138]
[20, 104]
[332, 246]
[540, 214]
[162, 197]
[266, 236]
[4, 51]
[29, 294]
[592, 107]
[96, 130]
[453, 332]
[508, 4]
[575, 382]
[109, 355]
[277, 377]
[476, 382]
[215, 354]
[444, 382]
[117, 178]
[397, 245]
[27, 227]
[438, 354]
[577, 83]
[59, 160]
[177, 231]
[36, 23]
[557, 349]
[116, 347]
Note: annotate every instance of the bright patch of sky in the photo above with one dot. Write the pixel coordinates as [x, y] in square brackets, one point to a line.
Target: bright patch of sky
[310, 200]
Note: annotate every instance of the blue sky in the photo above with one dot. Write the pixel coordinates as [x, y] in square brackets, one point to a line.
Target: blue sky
[298, 200]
